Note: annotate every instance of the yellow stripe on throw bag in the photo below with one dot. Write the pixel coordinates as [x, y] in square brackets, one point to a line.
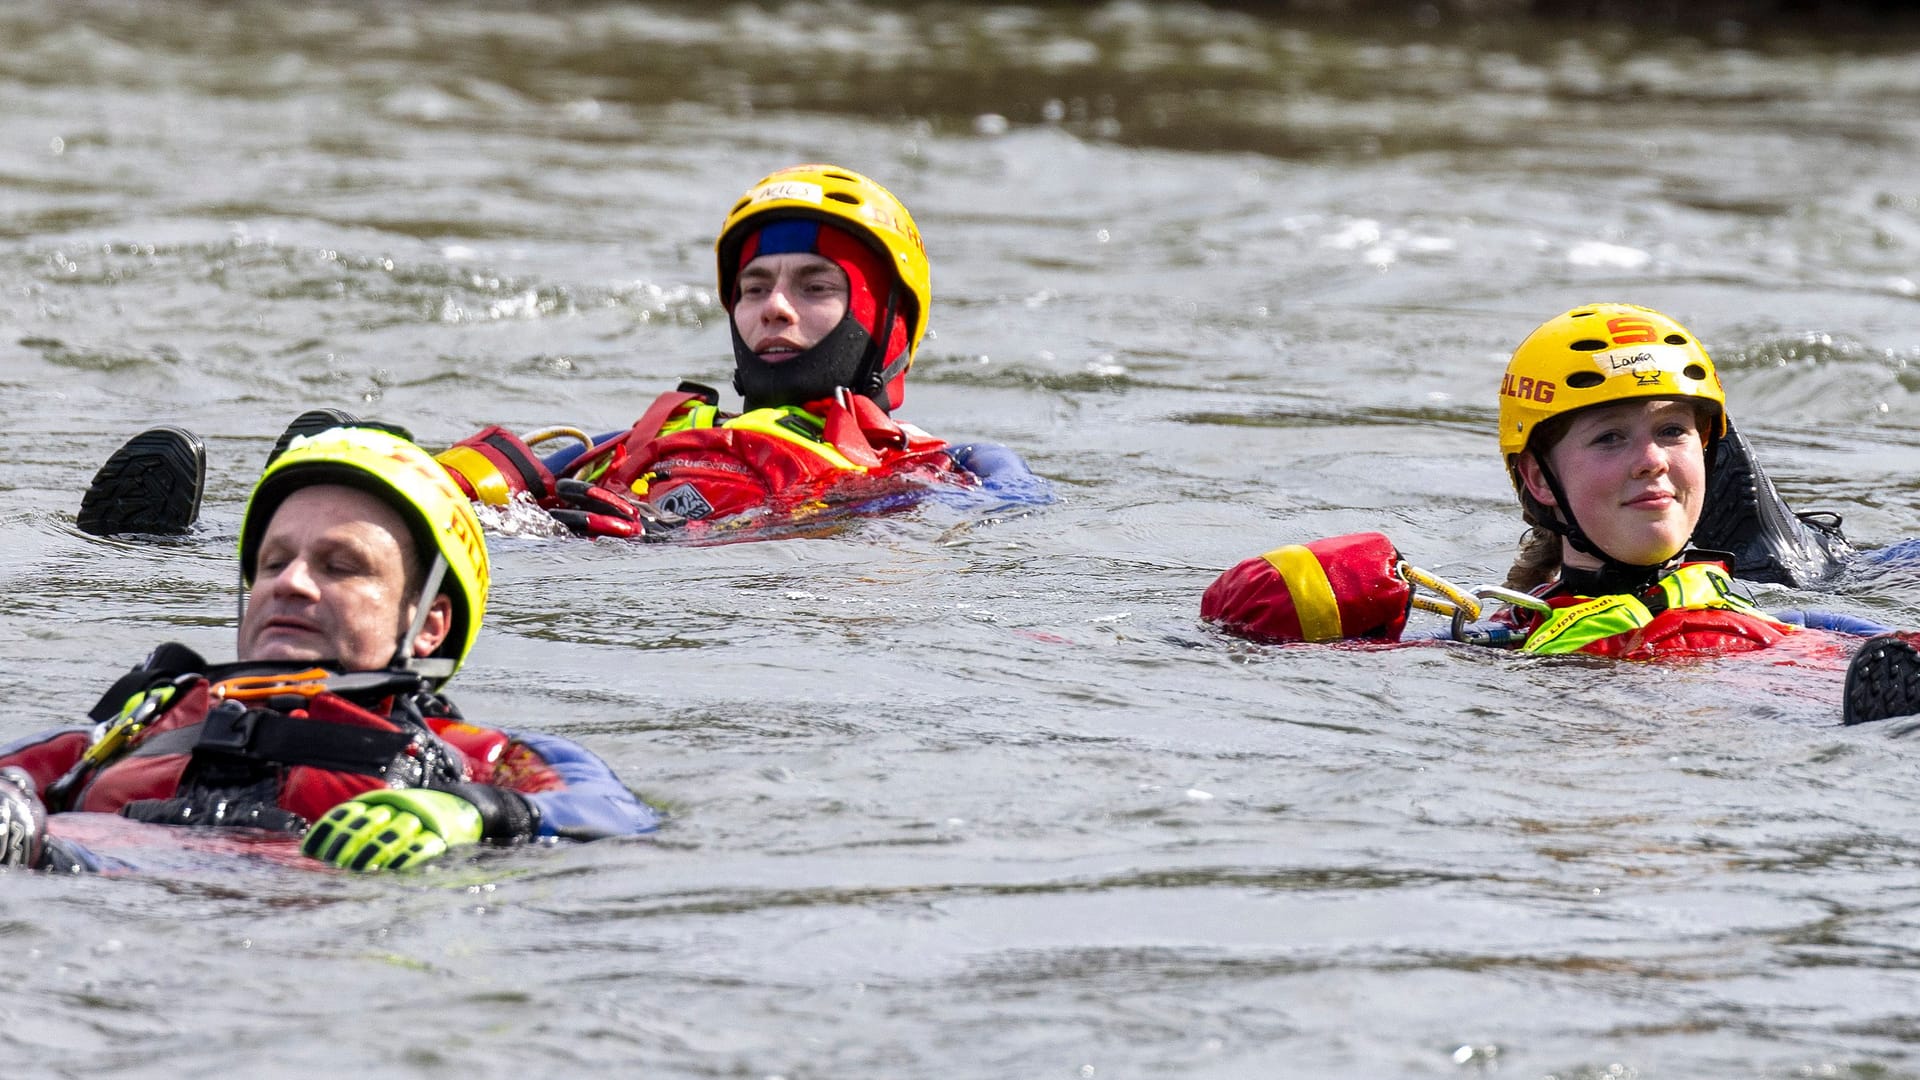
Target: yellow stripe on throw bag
[483, 474]
[1313, 599]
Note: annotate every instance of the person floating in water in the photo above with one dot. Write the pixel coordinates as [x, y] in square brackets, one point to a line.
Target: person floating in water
[827, 287]
[1609, 417]
[365, 577]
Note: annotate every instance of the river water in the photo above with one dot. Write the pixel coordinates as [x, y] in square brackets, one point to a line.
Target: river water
[973, 793]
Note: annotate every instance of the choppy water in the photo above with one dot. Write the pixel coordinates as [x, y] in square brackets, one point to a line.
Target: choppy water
[973, 796]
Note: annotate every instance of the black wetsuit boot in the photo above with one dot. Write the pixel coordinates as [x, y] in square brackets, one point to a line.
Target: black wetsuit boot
[150, 485]
[315, 421]
[1882, 681]
[1744, 516]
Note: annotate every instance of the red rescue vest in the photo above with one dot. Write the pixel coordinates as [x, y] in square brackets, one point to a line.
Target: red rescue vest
[317, 764]
[1693, 610]
[784, 459]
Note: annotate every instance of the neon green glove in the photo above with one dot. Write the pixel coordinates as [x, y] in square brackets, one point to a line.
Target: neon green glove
[386, 830]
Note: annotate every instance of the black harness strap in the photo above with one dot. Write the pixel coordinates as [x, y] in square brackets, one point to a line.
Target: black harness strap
[261, 735]
[514, 453]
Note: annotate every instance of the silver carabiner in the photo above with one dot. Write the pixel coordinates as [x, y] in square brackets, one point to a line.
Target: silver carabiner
[1509, 597]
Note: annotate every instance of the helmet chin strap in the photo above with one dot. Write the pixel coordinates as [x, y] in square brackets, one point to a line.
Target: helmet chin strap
[433, 667]
[875, 372]
[1565, 524]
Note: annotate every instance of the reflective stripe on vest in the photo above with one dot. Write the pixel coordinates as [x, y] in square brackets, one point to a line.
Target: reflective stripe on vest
[1693, 587]
[795, 425]
[789, 423]
[697, 415]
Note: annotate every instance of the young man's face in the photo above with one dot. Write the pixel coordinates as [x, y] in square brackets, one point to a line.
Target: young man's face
[787, 303]
[331, 583]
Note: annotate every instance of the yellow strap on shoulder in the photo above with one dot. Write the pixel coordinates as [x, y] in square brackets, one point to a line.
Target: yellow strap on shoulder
[767, 422]
[1313, 600]
[691, 416]
[133, 716]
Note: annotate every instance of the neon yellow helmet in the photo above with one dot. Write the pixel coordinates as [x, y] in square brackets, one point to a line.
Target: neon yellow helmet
[1598, 354]
[406, 478]
[839, 197]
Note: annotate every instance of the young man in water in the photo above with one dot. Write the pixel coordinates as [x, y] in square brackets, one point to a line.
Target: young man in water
[367, 579]
[827, 288]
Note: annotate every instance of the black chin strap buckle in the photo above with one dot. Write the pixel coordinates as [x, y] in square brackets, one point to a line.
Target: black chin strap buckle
[228, 728]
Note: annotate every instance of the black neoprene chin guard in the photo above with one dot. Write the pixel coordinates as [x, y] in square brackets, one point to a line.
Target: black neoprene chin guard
[837, 360]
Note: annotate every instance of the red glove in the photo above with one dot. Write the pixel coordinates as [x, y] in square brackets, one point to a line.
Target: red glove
[592, 510]
[1328, 590]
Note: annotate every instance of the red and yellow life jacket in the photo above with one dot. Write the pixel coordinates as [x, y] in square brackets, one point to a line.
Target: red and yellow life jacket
[1693, 610]
[320, 753]
[688, 458]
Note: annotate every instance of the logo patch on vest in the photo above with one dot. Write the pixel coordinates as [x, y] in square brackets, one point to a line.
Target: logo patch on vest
[686, 501]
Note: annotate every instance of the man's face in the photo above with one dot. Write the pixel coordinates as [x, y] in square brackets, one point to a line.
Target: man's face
[330, 582]
[787, 303]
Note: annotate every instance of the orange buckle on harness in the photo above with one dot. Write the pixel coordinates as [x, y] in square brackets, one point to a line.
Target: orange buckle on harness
[310, 683]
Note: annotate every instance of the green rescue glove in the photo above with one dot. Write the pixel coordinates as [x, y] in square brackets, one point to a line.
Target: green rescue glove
[386, 830]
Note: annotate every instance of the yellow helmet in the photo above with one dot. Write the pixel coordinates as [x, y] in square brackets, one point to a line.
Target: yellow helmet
[839, 197]
[1598, 354]
[406, 478]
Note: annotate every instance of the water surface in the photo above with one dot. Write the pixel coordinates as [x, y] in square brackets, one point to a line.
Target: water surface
[974, 794]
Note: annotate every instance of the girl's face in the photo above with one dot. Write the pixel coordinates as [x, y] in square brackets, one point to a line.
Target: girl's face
[1634, 475]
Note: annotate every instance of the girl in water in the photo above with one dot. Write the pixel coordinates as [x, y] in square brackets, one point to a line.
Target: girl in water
[1609, 418]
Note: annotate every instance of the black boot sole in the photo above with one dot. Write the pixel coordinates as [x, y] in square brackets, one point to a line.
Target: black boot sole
[1882, 681]
[311, 422]
[315, 421]
[151, 484]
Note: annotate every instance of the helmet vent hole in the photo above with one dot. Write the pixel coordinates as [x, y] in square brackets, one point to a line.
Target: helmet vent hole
[1695, 372]
[1588, 345]
[841, 196]
[1675, 339]
[843, 176]
[1585, 380]
[737, 207]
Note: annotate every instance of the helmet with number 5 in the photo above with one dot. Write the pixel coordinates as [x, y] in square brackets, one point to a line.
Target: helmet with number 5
[1597, 354]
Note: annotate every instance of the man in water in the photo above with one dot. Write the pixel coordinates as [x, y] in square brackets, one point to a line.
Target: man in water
[367, 579]
[827, 286]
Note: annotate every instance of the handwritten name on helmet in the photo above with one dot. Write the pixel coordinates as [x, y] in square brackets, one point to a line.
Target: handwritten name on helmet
[790, 191]
[1648, 365]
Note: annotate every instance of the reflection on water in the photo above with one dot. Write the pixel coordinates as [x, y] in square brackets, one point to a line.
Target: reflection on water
[963, 792]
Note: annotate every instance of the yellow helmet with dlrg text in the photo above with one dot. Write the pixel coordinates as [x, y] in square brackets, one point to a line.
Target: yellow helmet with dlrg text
[1597, 354]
